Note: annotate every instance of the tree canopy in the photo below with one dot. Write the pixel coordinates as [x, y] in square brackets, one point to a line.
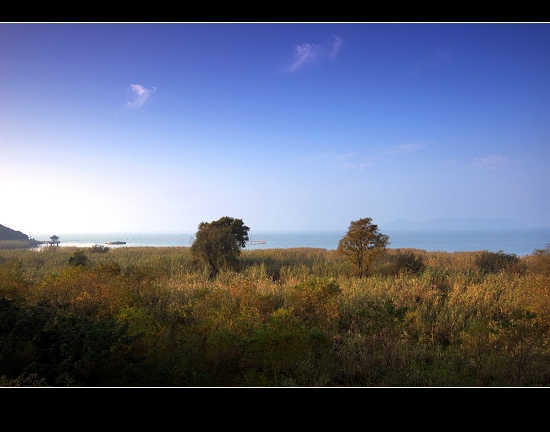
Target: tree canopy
[218, 243]
[362, 244]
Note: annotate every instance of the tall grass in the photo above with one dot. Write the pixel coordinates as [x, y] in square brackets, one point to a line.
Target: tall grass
[287, 317]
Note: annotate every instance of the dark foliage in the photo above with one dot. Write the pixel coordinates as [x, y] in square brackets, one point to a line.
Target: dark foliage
[78, 258]
[493, 262]
[99, 249]
[409, 262]
[218, 244]
[64, 350]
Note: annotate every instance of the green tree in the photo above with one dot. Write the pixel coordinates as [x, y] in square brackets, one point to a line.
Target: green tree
[218, 243]
[362, 244]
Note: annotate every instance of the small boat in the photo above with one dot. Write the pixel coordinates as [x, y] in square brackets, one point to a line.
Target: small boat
[256, 242]
[115, 243]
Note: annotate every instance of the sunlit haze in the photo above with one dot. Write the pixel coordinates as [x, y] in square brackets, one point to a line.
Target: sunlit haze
[158, 127]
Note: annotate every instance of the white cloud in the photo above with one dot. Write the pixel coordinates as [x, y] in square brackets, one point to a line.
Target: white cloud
[307, 53]
[142, 93]
[490, 162]
[335, 46]
[353, 161]
[402, 149]
[357, 161]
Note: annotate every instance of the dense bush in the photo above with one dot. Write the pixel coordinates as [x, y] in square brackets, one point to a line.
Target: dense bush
[99, 249]
[64, 349]
[541, 260]
[493, 262]
[408, 262]
[78, 258]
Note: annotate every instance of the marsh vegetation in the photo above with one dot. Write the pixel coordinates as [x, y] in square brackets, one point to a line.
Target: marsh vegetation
[153, 316]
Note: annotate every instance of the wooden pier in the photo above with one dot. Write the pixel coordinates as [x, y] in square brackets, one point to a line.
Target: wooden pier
[54, 240]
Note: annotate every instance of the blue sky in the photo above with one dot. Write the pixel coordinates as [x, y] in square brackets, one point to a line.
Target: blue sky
[288, 126]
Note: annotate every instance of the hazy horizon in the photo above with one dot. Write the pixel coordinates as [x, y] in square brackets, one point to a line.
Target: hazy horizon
[130, 127]
[447, 224]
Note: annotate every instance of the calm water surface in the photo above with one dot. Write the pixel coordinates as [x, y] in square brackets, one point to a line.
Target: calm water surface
[517, 241]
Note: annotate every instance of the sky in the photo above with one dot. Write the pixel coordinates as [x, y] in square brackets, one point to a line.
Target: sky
[156, 127]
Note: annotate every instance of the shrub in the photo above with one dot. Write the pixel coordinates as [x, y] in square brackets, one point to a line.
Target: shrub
[409, 262]
[78, 258]
[99, 249]
[315, 302]
[493, 262]
[541, 260]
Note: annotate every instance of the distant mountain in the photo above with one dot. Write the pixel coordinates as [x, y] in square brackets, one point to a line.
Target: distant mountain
[454, 223]
[10, 234]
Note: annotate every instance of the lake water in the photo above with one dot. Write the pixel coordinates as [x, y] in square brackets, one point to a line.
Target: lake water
[513, 241]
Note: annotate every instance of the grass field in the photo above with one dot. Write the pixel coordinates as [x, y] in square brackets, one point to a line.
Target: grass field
[150, 316]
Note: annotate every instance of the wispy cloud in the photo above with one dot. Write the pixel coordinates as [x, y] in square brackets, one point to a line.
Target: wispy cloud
[353, 161]
[142, 94]
[307, 53]
[441, 57]
[490, 162]
[403, 149]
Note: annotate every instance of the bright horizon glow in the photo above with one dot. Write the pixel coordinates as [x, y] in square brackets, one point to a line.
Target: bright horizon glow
[158, 127]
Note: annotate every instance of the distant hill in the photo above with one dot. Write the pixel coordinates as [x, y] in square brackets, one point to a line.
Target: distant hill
[10, 234]
[455, 223]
